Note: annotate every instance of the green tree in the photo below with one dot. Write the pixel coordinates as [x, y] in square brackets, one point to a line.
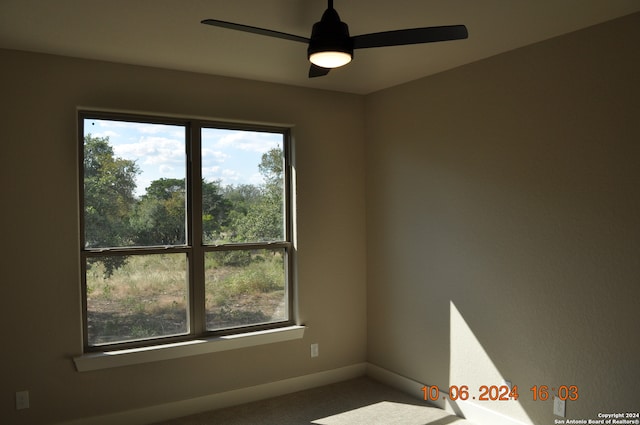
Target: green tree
[215, 211]
[271, 167]
[264, 218]
[242, 196]
[263, 221]
[165, 188]
[159, 218]
[109, 185]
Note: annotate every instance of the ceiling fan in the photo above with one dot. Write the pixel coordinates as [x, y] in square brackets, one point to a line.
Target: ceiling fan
[331, 46]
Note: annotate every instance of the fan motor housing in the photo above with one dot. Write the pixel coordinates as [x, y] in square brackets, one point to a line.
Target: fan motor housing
[330, 34]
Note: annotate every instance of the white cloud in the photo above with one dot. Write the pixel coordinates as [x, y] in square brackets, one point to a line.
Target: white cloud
[211, 173]
[225, 175]
[153, 151]
[250, 141]
[213, 155]
[229, 176]
[108, 133]
[256, 178]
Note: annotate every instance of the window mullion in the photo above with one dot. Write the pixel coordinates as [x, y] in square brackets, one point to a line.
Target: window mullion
[196, 260]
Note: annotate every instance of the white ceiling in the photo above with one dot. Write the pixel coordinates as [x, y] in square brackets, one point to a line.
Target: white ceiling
[168, 34]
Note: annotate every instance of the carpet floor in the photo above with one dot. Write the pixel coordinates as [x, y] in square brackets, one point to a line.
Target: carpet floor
[360, 401]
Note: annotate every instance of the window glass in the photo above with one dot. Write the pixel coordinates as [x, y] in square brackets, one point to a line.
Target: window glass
[245, 287]
[243, 186]
[143, 296]
[134, 184]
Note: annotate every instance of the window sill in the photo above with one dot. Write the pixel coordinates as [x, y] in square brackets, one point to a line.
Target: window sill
[110, 359]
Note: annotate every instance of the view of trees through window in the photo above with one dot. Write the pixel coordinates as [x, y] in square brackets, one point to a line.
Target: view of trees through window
[140, 209]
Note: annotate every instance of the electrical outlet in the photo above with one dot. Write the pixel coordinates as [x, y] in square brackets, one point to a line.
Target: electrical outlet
[314, 350]
[558, 407]
[22, 400]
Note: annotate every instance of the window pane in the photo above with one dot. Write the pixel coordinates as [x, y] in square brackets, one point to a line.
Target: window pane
[245, 288]
[136, 297]
[134, 184]
[243, 186]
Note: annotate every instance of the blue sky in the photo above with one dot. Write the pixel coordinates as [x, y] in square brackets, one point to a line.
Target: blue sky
[230, 156]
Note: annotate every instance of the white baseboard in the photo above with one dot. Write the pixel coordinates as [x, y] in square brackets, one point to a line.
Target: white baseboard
[473, 412]
[177, 409]
[404, 384]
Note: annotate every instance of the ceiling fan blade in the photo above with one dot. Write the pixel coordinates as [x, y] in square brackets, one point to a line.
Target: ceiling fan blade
[410, 36]
[255, 30]
[318, 71]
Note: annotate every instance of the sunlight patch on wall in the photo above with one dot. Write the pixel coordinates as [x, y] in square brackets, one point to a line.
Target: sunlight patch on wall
[470, 365]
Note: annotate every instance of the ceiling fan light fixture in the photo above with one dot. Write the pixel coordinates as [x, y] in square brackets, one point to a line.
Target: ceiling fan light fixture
[330, 59]
[330, 45]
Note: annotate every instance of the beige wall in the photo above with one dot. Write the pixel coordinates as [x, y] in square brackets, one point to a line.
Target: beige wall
[503, 224]
[39, 215]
